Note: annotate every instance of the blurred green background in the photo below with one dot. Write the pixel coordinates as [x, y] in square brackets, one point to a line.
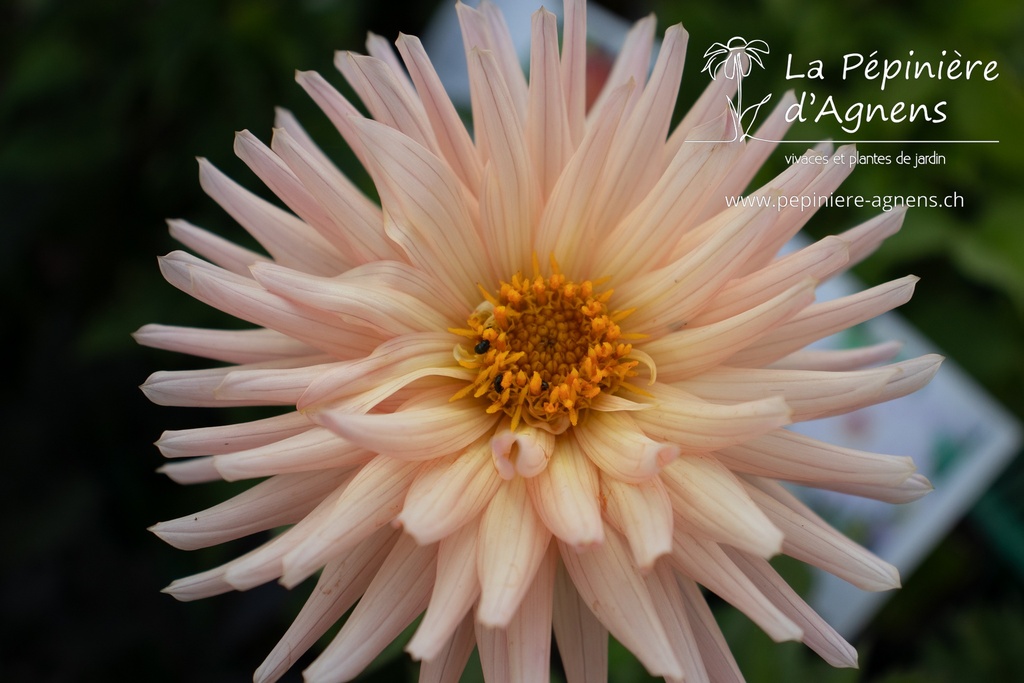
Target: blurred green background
[104, 104]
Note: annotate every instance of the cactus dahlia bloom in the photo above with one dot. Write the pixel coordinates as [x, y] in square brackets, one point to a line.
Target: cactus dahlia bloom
[543, 385]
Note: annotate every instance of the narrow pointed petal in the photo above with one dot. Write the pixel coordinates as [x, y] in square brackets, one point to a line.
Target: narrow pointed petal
[812, 540]
[199, 388]
[379, 47]
[714, 651]
[631, 64]
[547, 124]
[668, 600]
[818, 635]
[372, 499]
[449, 493]
[193, 471]
[582, 639]
[566, 495]
[641, 512]
[705, 561]
[711, 104]
[214, 248]
[709, 500]
[574, 66]
[841, 359]
[615, 591]
[616, 444]
[342, 582]
[448, 665]
[229, 438]
[288, 239]
[312, 450]
[229, 346]
[529, 633]
[914, 488]
[397, 594]
[513, 542]
[455, 590]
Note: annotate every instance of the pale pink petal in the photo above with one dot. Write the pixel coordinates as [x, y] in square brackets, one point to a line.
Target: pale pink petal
[193, 471]
[449, 492]
[914, 488]
[547, 124]
[372, 499]
[712, 103]
[812, 540]
[385, 311]
[452, 137]
[504, 49]
[315, 449]
[528, 635]
[566, 495]
[668, 600]
[865, 238]
[339, 110]
[818, 635]
[269, 386]
[525, 451]
[342, 582]
[816, 261]
[631, 65]
[705, 561]
[425, 213]
[827, 317]
[229, 438]
[420, 433]
[840, 359]
[696, 349]
[614, 590]
[641, 512]
[449, 664]
[356, 223]
[574, 66]
[378, 46]
[214, 248]
[512, 544]
[280, 500]
[714, 651]
[492, 646]
[802, 459]
[199, 388]
[386, 96]
[582, 639]
[243, 298]
[456, 588]
[229, 346]
[510, 196]
[709, 500]
[697, 425]
[288, 239]
[397, 594]
[617, 444]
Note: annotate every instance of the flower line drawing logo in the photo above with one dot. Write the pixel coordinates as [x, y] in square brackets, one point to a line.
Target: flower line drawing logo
[734, 60]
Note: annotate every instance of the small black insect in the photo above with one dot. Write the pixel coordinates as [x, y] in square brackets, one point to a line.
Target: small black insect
[481, 346]
[543, 386]
[497, 383]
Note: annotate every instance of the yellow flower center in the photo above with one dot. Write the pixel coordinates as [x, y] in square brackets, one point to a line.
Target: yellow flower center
[544, 348]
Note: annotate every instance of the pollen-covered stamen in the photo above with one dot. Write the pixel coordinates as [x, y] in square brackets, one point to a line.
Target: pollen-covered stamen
[545, 348]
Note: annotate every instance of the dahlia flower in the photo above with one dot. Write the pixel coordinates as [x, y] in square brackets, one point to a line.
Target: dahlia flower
[542, 386]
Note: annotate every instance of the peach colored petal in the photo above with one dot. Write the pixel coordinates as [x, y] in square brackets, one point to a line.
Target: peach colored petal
[582, 639]
[668, 600]
[455, 590]
[641, 512]
[453, 139]
[812, 540]
[229, 438]
[842, 359]
[193, 471]
[818, 635]
[218, 250]
[524, 451]
[492, 646]
[614, 590]
[696, 349]
[528, 635]
[710, 105]
[378, 46]
[512, 544]
[707, 563]
[342, 582]
[269, 386]
[288, 239]
[503, 47]
[356, 223]
[315, 449]
[200, 387]
[280, 500]
[386, 97]
[914, 488]
[822, 319]
[574, 66]
[243, 298]
[449, 664]
[709, 500]
[714, 651]
[448, 493]
[616, 443]
[339, 110]
[386, 311]
[397, 594]
[547, 123]
[678, 417]
[229, 346]
[631, 65]
[566, 495]
[794, 457]
[372, 499]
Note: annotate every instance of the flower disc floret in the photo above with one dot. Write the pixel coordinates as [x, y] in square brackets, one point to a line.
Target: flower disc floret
[545, 349]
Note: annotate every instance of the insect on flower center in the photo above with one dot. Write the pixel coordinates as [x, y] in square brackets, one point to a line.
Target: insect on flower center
[544, 349]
